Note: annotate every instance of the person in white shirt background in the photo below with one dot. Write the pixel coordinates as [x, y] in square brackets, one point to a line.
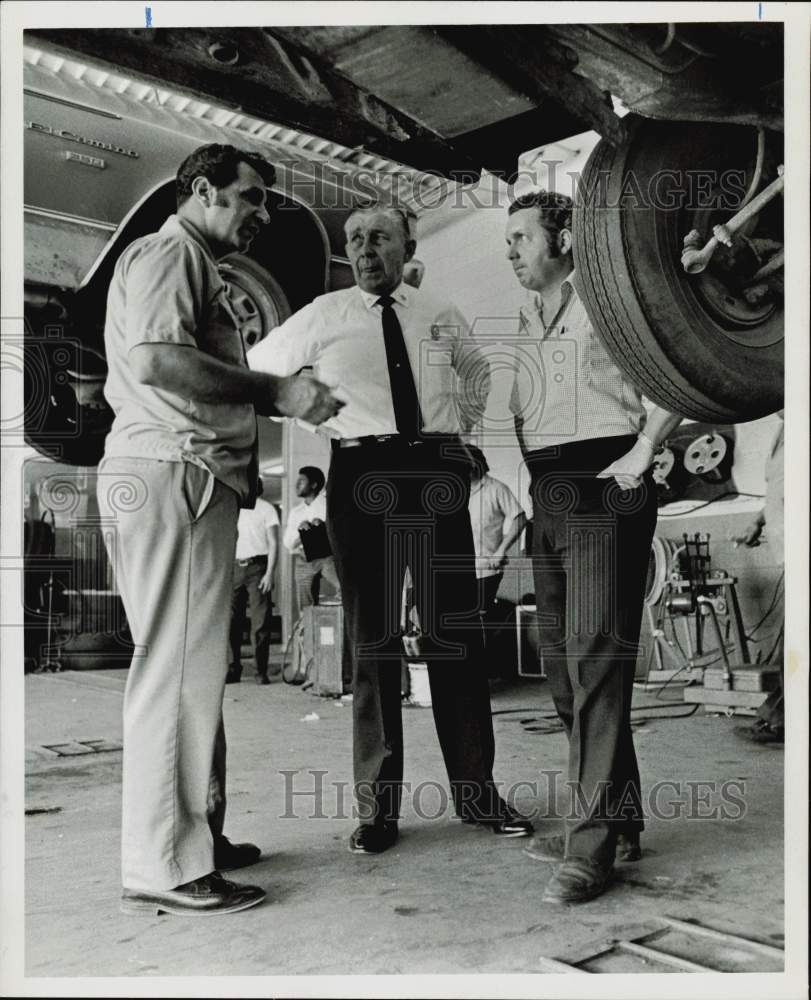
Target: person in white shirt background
[311, 511]
[256, 556]
[497, 520]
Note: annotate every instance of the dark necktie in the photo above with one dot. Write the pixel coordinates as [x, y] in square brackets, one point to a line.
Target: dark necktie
[407, 413]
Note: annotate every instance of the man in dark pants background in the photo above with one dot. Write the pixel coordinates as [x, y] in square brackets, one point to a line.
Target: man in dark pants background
[397, 496]
[256, 556]
[591, 541]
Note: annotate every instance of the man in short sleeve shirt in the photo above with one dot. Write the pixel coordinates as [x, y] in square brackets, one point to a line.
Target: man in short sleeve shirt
[588, 446]
[179, 462]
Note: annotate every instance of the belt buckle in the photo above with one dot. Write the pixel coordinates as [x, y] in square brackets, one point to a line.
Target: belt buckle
[243, 562]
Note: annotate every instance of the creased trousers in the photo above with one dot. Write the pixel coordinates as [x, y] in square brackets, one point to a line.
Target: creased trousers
[171, 536]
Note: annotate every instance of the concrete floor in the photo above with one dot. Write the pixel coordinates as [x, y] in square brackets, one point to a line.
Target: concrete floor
[447, 899]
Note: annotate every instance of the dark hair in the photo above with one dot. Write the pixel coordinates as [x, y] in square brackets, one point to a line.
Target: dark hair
[314, 474]
[219, 165]
[479, 462]
[554, 211]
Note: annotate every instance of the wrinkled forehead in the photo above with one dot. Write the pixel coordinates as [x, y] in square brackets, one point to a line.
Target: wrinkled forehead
[388, 220]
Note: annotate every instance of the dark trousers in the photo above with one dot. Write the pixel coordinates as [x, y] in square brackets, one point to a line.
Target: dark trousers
[247, 595]
[488, 590]
[390, 506]
[591, 547]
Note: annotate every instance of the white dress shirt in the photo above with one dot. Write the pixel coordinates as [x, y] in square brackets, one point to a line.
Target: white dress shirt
[341, 336]
[317, 508]
[566, 386]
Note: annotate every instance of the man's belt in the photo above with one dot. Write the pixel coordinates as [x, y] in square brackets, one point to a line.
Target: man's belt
[252, 560]
[399, 440]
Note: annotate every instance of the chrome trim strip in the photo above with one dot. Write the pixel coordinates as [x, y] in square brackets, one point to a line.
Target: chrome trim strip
[77, 220]
[71, 104]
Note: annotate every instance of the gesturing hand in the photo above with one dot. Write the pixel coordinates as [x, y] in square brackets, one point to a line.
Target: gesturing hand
[305, 397]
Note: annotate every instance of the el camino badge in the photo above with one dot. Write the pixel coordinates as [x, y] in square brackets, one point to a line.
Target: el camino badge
[63, 133]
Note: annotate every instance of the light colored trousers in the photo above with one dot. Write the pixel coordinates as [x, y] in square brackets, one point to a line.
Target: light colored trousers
[171, 535]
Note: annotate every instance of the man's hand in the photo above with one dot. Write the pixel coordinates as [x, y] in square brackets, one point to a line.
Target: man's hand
[266, 584]
[304, 397]
[751, 534]
[630, 467]
[496, 561]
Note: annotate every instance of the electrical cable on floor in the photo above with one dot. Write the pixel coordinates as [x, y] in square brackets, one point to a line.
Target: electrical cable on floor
[706, 503]
[545, 728]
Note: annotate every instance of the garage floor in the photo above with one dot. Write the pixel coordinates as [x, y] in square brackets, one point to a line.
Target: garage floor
[447, 899]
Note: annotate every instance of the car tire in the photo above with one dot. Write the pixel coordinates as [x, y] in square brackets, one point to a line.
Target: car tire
[61, 425]
[662, 326]
[257, 299]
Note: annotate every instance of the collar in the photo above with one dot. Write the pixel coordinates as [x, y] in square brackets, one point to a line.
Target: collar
[568, 289]
[176, 226]
[400, 296]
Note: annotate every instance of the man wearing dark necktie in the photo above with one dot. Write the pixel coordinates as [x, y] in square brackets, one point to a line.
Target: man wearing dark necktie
[412, 380]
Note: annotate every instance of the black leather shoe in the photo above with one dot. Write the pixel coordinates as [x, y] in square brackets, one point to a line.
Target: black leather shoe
[375, 839]
[628, 847]
[228, 856]
[553, 849]
[262, 679]
[234, 675]
[207, 895]
[509, 823]
[578, 880]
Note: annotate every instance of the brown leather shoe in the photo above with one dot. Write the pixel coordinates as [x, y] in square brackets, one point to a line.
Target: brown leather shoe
[553, 849]
[228, 856]
[578, 880]
[207, 895]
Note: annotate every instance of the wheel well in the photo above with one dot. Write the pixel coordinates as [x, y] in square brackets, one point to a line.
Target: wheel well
[294, 248]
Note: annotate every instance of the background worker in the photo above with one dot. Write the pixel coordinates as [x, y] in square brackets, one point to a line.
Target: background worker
[309, 574]
[769, 726]
[256, 556]
[497, 520]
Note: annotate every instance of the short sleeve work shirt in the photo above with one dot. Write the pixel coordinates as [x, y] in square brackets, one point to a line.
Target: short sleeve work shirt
[166, 289]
